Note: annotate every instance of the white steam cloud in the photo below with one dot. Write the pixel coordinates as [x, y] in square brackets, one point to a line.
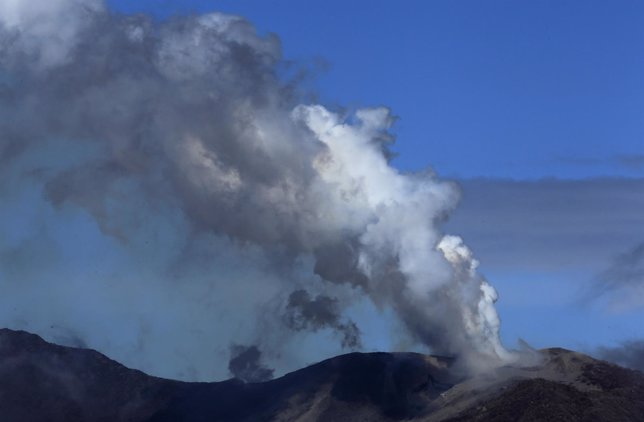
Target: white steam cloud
[214, 197]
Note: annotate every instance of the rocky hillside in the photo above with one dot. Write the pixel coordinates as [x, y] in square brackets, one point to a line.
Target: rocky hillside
[40, 381]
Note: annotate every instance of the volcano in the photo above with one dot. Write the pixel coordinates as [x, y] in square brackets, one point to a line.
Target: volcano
[40, 381]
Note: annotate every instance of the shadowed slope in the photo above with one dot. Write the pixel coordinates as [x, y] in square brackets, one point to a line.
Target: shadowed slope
[376, 386]
[43, 381]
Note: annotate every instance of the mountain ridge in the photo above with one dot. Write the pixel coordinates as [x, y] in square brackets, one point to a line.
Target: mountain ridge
[48, 382]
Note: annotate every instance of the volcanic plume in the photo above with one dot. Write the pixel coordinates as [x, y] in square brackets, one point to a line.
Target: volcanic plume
[163, 182]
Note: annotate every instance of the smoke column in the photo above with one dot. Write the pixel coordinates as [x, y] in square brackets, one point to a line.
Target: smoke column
[168, 200]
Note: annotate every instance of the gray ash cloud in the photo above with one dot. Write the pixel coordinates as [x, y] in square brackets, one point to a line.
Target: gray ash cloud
[306, 313]
[165, 190]
[246, 364]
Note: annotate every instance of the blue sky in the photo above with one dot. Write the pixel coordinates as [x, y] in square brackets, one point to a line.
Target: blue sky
[496, 89]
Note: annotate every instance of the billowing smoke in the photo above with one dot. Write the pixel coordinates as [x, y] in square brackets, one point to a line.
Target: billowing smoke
[245, 364]
[166, 190]
[305, 313]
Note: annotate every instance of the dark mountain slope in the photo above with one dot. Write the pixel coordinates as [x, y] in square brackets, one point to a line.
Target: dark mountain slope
[590, 391]
[44, 382]
[541, 400]
[40, 381]
[378, 386]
